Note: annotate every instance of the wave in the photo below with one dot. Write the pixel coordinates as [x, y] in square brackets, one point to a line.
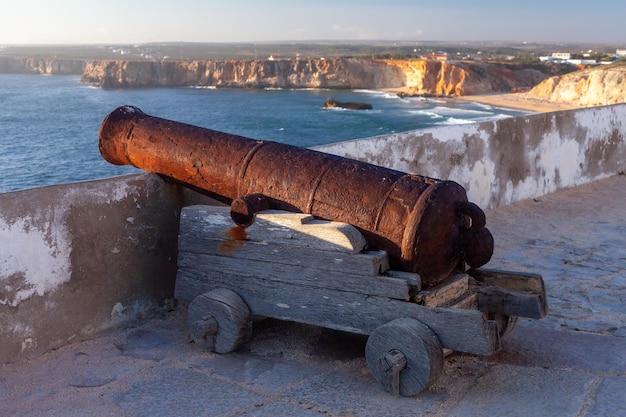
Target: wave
[500, 109]
[428, 113]
[204, 87]
[451, 111]
[334, 109]
[383, 94]
[311, 89]
[363, 111]
[426, 99]
[493, 118]
[370, 92]
[455, 121]
[460, 121]
[483, 106]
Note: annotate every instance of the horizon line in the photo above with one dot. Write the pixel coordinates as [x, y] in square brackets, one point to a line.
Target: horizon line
[311, 41]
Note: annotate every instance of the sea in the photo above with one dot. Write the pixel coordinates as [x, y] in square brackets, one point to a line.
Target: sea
[49, 124]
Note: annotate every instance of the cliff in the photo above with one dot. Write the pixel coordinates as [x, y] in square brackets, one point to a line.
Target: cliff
[418, 77]
[48, 66]
[310, 73]
[597, 86]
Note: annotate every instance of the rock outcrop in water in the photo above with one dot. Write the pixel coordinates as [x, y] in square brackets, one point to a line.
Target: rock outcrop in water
[419, 77]
[597, 86]
[331, 103]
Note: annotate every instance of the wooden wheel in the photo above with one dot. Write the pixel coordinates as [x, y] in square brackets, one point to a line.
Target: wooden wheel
[220, 320]
[404, 356]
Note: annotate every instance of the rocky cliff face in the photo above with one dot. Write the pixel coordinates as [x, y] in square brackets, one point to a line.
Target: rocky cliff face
[597, 86]
[418, 76]
[48, 66]
[425, 77]
[310, 73]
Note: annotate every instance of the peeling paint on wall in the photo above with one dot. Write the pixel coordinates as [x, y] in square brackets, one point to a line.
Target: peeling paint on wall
[78, 259]
[507, 160]
[35, 258]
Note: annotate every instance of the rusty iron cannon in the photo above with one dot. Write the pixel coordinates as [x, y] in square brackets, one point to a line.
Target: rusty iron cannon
[426, 225]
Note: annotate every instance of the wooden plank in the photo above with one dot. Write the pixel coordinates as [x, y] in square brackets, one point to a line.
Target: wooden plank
[305, 276]
[460, 330]
[208, 229]
[444, 293]
[275, 227]
[511, 303]
[467, 303]
[414, 280]
[515, 281]
[510, 293]
[366, 263]
[342, 236]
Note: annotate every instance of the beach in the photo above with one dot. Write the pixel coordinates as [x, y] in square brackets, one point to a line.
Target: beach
[519, 101]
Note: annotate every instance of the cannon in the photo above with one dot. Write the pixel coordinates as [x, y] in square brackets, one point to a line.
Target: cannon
[331, 242]
[426, 225]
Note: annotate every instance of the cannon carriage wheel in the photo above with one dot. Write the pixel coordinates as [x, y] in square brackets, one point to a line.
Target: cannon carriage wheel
[404, 356]
[220, 320]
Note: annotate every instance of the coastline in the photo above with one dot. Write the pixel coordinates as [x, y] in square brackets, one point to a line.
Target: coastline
[519, 101]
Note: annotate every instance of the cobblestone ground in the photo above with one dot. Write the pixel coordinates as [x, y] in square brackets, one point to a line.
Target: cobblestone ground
[577, 240]
[571, 363]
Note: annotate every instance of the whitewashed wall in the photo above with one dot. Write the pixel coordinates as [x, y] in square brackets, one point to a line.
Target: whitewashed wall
[78, 259]
[507, 160]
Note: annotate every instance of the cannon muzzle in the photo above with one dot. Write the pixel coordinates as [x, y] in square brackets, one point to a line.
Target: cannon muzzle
[426, 225]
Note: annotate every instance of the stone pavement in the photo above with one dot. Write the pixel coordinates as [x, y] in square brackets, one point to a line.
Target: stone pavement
[571, 363]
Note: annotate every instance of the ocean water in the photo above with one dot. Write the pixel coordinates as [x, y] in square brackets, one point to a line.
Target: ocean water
[49, 124]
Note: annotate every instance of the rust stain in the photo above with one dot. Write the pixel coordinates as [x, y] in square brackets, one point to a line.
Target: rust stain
[236, 236]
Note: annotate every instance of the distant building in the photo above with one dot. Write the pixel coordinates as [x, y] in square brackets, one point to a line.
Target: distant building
[437, 56]
[561, 55]
[582, 61]
[620, 52]
[566, 58]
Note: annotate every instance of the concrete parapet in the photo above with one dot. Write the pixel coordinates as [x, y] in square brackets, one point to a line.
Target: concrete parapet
[81, 258]
[507, 160]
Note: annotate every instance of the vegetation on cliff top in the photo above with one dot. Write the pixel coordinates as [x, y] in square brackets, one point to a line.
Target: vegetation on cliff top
[262, 50]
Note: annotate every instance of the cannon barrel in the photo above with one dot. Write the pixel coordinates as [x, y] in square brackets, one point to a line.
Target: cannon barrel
[426, 225]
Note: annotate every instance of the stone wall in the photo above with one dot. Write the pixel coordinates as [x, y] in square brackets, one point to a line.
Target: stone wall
[507, 160]
[78, 259]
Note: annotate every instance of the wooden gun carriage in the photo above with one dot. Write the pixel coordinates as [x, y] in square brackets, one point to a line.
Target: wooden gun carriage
[328, 241]
[293, 267]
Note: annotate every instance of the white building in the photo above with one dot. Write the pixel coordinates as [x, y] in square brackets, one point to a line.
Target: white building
[561, 55]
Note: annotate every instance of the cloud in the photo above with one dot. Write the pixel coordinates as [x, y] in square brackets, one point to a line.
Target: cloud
[355, 32]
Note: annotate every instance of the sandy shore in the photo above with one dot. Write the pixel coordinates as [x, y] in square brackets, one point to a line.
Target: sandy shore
[519, 101]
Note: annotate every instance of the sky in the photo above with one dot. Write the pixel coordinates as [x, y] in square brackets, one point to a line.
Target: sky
[142, 21]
